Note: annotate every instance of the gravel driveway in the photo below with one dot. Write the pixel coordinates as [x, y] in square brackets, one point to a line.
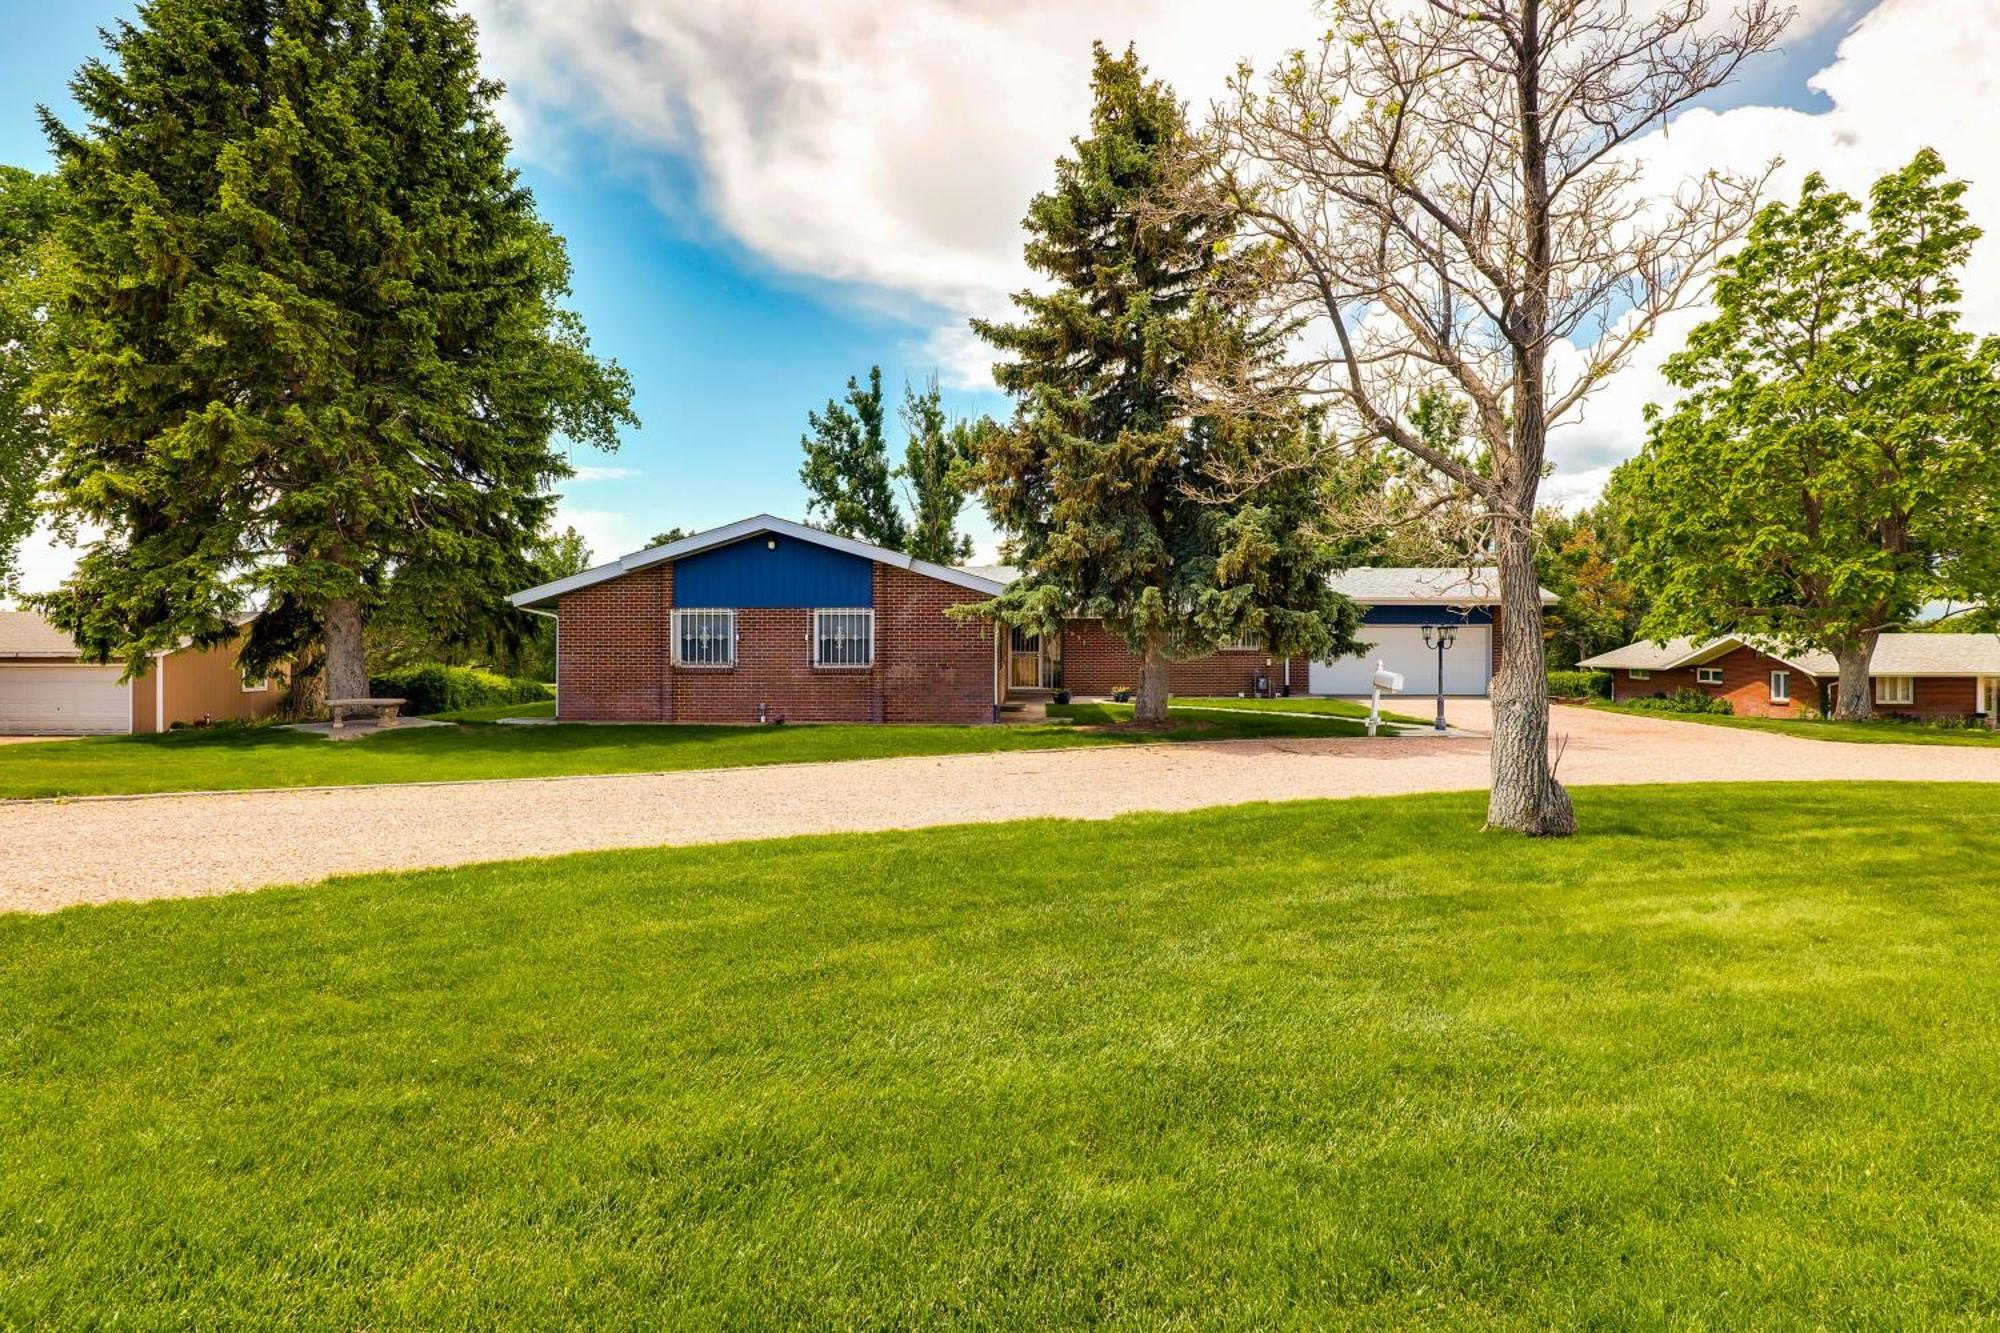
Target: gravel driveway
[55, 854]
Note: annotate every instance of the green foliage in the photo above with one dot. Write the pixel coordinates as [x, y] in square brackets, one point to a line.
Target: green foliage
[1683, 700]
[1119, 496]
[314, 354]
[510, 641]
[1576, 558]
[846, 470]
[1831, 466]
[850, 484]
[935, 463]
[436, 688]
[29, 207]
[668, 537]
[1333, 1065]
[1579, 684]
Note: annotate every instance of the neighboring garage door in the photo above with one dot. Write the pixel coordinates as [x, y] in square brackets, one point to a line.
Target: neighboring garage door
[62, 700]
[1468, 663]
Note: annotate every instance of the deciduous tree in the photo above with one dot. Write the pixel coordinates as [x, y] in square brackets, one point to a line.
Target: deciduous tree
[1451, 193]
[1834, 461]
[1115, 485]
[29, 204]
[315, 353]
[935, 463]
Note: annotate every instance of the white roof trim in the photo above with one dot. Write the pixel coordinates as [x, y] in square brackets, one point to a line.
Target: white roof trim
[546, 593]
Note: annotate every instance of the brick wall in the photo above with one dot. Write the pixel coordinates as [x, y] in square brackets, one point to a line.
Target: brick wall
[615, 660]
[1095, 661]
[611, 658]
[1746, 684]
[932, 668]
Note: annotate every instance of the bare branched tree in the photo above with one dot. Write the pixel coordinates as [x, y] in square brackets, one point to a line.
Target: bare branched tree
[1444, 198]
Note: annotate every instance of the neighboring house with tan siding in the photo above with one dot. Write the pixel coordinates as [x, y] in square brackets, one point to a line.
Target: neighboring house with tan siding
[1917, 675]
[47, 689]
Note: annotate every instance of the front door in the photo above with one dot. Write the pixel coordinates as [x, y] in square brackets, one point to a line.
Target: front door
[1024, 670]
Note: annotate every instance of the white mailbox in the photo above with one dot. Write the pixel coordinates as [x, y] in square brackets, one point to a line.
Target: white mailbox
[1391, 681]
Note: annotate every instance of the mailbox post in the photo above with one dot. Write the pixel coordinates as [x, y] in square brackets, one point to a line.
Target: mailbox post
[1385, 679]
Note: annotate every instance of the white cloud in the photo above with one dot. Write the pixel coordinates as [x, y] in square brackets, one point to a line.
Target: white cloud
[1911, 74]
[589, 473]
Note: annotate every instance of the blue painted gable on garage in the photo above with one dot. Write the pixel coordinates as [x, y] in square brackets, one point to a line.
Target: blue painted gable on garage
[773, 571]
[1426, 615]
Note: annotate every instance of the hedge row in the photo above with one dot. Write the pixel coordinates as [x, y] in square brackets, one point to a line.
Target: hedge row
[1579, 684]
[440, 689]
[1682, 700]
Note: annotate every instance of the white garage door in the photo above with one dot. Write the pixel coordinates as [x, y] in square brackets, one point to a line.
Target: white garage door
[1468, 663]
[62, 700]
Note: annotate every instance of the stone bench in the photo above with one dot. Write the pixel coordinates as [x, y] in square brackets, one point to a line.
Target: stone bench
[382, 710]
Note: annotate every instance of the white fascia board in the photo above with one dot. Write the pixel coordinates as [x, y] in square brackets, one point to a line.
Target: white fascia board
[737, 531]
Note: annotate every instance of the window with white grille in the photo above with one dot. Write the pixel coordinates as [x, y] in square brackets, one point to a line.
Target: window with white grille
[843, 638]
[1708, 675]
[1781, 687]
[1895, 690]
[1249, 643]
[705, 638]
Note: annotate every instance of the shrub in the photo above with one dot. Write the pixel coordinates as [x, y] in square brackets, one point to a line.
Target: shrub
[1682, 700]
[440, 689]
[1579, 684]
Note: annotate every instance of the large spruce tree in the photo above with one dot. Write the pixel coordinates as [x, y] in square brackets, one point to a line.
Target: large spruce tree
[314, 354]
[1115, 488]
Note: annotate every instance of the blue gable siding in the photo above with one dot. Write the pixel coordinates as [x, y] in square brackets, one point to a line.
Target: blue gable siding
[1425, 615]
[751, 574]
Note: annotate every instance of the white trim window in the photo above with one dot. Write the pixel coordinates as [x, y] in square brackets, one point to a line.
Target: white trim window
[704, 637]
[1637, 673]
[1249, 643]
[1708, 675]
[1895, 690]
[257, 686]
[1781, 687]
[844, 637]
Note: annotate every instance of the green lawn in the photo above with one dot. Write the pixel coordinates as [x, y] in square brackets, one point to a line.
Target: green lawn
[228, 758]
[1299, 704]
[1729, 1059]
[1866, 733]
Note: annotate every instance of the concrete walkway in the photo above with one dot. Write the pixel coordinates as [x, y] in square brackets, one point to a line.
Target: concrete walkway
[55, 854]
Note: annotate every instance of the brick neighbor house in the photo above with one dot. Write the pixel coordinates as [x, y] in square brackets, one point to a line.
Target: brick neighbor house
[1918, 675]
[765, 619]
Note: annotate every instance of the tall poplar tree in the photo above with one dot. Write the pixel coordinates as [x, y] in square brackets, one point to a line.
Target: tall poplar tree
[314, 351]
[846, 470]
[1111, 481]
[933, 474]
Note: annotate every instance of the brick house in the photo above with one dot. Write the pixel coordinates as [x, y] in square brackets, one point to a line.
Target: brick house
[1916, 675]
[765, 619]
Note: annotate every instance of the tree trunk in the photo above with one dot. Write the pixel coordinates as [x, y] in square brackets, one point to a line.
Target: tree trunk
[1526, 797]
[1856, 701]
[1149, 702]
[346, 660]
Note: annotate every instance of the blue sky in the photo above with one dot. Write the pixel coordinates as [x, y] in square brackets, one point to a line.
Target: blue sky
[750, 223]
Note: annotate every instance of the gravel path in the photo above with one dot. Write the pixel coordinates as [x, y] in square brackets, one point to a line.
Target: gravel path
[55, 854]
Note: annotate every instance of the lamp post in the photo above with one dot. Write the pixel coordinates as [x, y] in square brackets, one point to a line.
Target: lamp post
[1440, 637]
